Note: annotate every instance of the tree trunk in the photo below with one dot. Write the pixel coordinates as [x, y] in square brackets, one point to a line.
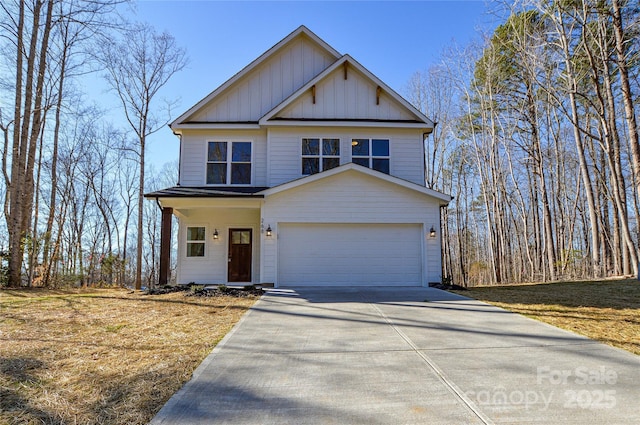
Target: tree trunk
[140, 216]
[630, 116]
[54, 169]
[14, 218]
[582, 160]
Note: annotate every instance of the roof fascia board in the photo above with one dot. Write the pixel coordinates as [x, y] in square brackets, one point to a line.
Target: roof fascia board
[186, 203]
[380, 124]
[391, 92]
[244, 71]
[215, 126]
[367, 171]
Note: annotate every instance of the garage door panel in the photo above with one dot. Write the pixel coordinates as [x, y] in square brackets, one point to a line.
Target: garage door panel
[349, 254]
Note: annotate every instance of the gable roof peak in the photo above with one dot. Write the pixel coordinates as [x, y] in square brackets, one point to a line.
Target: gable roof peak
[302, 30]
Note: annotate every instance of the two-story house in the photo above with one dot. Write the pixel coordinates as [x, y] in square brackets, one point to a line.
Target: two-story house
[303, 169]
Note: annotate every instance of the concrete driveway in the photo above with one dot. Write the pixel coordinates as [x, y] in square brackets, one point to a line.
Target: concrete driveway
[403, 356]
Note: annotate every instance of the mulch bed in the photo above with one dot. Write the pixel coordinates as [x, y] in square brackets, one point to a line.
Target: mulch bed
[211, 291]
[448, 287]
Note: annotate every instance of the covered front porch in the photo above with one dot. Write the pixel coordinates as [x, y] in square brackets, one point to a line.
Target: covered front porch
[219, 236]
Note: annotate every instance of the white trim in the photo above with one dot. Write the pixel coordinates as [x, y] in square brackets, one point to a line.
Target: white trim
[300, 30]
[443, 198]
[186, 241]
[214, 126]
[371, 157]
[365, 124]
[266, 119]
[320, 155]
[229, 142]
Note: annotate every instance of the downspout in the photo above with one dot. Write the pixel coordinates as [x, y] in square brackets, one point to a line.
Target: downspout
[425, 135]
[442, 236]
[442, 276]
[179, 154]
[424, 156]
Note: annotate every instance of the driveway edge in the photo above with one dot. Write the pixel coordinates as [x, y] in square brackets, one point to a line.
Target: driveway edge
[162, 414]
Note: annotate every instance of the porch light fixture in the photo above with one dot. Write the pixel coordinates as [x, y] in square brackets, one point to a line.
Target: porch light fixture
[215, 234]
[268, 231]
[432, 232]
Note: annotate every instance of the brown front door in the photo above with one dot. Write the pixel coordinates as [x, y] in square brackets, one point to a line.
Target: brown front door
[239, 255]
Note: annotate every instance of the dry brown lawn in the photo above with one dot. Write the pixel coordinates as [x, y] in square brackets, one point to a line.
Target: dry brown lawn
[102, 356]
[607, 311]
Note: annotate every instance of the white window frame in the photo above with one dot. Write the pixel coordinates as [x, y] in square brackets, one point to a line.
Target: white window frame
[371, 157]
[193, 241]
[320, 155]
[228, 162]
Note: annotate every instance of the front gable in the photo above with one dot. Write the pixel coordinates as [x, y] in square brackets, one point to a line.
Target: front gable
[264, 83]
[344, 177]
[343, 94]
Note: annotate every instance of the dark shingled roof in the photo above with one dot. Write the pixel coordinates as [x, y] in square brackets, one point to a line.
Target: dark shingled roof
[206, 192]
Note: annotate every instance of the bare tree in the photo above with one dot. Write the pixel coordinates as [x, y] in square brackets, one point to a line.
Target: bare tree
[36, 53]
[137, 68]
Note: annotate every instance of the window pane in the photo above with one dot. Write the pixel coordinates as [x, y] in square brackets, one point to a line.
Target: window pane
[195, 249]
[217, 151]
[331, 147]
[360, 147]
[310, 147]
[241, 237]
[381, 165]
[216, 173]
[380, 147]
[241, 152]
[240, 173]
[361, 161]
[310, 165]
[195, 233]
[329, 163]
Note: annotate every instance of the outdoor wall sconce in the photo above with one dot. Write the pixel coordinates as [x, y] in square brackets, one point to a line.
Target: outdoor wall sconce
[432, 232]
[268, 231]
[215, 234]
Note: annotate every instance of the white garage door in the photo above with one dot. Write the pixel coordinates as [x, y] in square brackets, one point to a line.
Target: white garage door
[349, 255]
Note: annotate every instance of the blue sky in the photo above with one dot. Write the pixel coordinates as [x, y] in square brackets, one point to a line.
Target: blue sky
[393, 39]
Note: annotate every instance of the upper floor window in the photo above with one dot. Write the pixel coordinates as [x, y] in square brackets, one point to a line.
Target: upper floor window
[372, 153]
[229, 163]
[320, 155]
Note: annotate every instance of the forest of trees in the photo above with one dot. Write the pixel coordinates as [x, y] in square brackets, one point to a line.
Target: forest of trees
[537, 140]
[73, 186]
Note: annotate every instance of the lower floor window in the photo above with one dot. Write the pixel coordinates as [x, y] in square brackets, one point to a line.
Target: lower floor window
[195, 241]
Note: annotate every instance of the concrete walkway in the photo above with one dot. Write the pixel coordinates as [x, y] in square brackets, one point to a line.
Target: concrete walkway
[403, 356]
